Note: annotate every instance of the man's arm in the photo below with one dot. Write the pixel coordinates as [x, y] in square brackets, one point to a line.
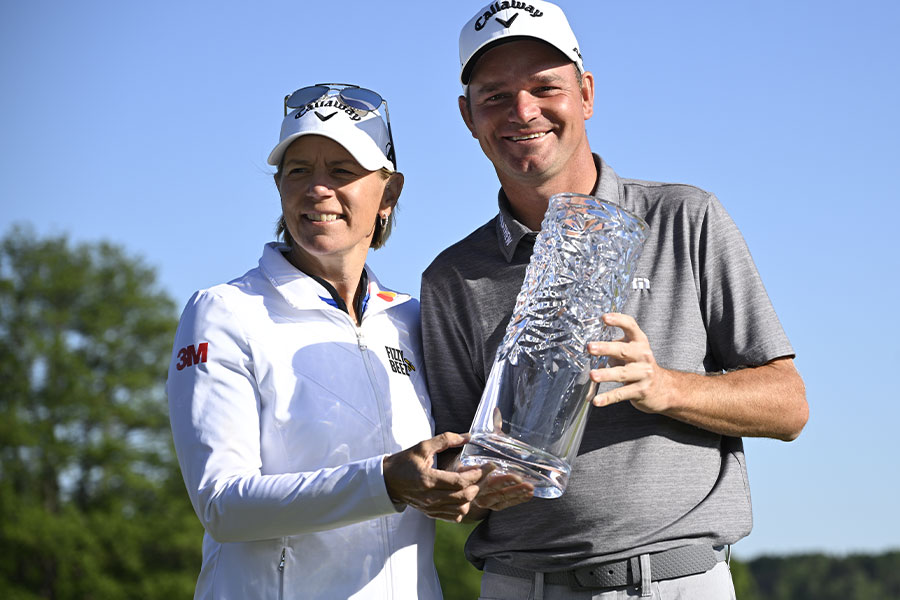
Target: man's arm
[763, 401]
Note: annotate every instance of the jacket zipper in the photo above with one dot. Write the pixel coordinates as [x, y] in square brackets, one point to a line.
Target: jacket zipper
[370, 371]
[281, 574]
[383, 525]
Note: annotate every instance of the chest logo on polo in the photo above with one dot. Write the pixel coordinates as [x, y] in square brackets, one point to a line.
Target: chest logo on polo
[640, 283]
[398, 363]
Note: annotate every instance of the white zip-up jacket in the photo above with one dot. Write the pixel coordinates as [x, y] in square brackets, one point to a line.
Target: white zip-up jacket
[282, 409]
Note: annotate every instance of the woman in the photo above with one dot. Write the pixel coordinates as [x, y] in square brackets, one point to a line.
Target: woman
[296, 391]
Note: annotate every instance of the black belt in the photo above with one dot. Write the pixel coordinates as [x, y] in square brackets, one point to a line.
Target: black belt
[669, 564]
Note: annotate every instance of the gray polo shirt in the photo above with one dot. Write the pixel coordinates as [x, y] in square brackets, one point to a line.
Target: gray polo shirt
[641, 482]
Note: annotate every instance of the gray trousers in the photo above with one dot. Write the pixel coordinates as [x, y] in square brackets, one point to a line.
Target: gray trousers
[715, 584]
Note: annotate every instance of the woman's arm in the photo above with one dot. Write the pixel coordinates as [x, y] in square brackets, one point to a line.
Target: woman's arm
[214, 407]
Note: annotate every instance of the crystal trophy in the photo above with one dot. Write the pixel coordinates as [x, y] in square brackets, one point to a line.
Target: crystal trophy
[535, 403]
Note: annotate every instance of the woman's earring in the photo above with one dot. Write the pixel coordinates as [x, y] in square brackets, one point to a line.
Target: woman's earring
[382, 221]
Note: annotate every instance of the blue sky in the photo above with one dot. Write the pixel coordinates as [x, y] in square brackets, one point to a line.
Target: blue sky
[149, 124]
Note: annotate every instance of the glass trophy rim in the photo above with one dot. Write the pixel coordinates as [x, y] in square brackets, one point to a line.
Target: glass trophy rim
[556, 198]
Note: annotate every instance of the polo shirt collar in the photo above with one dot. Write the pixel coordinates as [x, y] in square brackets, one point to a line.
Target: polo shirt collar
[608, 187]
[510, 231]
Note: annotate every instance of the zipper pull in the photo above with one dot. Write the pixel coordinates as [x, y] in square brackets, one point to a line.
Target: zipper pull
[281, 564]
[360, 340]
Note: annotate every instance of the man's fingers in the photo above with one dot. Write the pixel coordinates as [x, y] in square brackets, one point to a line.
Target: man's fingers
[506, 496]
[628, 373]
[632, 391]
[499, 480]
[627, 324]
[443, 505]
[606, 399]
[484, 469]
[501, 490]
[622, 352]
[615, 350]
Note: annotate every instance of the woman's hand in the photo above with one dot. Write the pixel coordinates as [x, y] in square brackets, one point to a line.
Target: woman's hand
[411, 478]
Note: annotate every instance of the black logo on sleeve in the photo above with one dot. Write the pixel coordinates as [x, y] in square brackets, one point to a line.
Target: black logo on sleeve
[398, 363]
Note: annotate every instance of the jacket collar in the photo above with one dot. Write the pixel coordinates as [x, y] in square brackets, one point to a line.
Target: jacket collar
[303, 292]
[510, 231]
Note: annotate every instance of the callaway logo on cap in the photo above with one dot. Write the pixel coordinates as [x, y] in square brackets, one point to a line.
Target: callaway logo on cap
[362, 133]
[505, 21]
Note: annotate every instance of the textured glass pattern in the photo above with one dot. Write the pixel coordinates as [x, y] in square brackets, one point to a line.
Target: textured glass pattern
[532, 413]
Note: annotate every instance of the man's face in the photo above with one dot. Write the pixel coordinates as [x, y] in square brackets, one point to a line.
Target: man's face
[527, 110]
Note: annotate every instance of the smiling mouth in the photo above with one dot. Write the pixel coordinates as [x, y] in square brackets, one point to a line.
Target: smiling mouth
[320, 218]
[530, 136]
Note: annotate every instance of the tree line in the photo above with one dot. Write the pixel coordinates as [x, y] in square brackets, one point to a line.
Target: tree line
[92, 504]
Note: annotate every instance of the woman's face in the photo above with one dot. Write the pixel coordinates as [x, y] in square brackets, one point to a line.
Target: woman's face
[329, 202]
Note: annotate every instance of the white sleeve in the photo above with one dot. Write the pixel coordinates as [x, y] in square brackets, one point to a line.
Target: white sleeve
[214, 408]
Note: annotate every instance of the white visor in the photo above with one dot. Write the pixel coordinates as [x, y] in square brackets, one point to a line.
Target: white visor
[362, 133]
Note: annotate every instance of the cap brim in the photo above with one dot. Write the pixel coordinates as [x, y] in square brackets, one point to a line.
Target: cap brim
[490, 44]
[356, 138]
[370, 161]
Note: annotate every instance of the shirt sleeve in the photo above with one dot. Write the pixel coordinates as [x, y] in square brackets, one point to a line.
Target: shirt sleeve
[743, 327]
[214, 408]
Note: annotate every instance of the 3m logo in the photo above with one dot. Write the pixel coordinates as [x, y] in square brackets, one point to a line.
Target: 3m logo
[190, 356]
[640, 283]
[398, 363]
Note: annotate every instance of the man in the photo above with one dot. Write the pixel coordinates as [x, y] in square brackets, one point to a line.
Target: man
[659, 489]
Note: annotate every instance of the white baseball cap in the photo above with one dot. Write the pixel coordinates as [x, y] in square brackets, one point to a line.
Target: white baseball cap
[506, 21]
[362, 133]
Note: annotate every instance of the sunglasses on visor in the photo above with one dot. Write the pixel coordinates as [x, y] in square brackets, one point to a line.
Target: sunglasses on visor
[353, 96]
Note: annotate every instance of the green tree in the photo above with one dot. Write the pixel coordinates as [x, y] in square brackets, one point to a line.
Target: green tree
[92, 502]
[824, 577]
[745, 587]
[459, 579]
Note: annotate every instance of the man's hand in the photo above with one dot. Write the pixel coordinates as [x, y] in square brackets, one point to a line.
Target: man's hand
[411, 478]
[644, 383]
[768, 400]
[502, 490]
[496, 490]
